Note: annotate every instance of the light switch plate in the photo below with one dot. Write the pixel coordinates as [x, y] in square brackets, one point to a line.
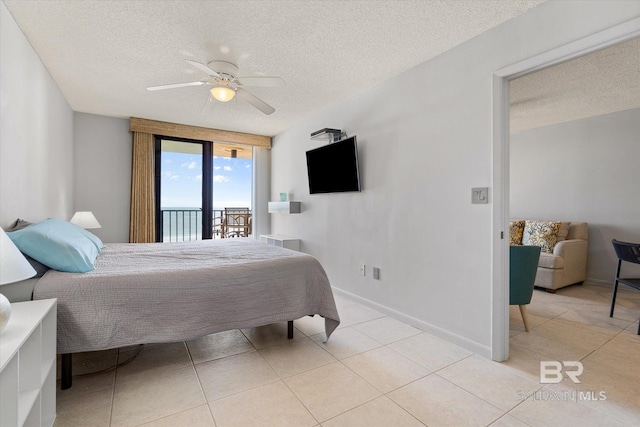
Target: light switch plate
[480, 195]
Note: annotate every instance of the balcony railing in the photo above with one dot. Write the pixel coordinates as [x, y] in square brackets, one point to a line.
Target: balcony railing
[180, 225]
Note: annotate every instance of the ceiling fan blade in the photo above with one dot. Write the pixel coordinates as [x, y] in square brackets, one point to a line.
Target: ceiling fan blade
[255, 101]
[173, 86]
[261, 81]
[204, 68]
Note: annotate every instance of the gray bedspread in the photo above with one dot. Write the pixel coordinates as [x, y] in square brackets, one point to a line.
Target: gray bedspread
[164, 292]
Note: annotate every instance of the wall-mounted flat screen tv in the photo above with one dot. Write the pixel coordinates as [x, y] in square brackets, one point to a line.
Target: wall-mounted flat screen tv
[333, 168]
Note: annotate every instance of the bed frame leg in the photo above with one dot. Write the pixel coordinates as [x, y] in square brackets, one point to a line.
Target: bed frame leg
[66, 372]
[290, 329]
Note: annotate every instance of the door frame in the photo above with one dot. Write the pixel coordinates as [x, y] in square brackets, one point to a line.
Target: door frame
[207, 183]
[500, 158]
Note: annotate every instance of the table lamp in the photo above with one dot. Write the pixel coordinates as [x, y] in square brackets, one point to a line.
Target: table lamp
[14, 267]
[85, 219]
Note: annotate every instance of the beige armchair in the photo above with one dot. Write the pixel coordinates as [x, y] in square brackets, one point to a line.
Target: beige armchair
[566, 264]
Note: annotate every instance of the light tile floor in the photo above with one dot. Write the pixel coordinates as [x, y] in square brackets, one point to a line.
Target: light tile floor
[375, 371]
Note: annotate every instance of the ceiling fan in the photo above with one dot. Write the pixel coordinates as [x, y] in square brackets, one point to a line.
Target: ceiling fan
[226, 84]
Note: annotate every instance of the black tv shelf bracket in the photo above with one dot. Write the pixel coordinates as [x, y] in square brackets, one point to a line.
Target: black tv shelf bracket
[327, 134]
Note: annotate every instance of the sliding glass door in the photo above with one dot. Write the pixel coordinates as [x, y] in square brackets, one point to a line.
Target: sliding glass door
[196, 182]
[182, 196]
[232, 190]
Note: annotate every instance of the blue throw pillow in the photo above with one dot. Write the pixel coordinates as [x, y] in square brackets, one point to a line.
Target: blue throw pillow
[57, 244]
[95, 239]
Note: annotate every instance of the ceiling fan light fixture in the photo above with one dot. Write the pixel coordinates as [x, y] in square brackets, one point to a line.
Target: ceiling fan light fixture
[223, 93]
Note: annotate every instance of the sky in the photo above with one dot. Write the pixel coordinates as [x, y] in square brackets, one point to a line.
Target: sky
[181, 181]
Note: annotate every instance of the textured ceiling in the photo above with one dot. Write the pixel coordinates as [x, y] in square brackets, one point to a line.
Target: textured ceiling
[103, 54]
[603, 82]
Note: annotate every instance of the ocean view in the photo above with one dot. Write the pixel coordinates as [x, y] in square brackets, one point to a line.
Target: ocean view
[181, 187]
[185, 223]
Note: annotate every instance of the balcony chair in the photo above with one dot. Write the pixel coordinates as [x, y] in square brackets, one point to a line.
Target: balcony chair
[217, 224]
[236, 222]
[628, 252]
[523, 265]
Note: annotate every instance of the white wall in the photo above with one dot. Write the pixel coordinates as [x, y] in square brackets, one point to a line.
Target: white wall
[102, 147]
[424, 140]
[583, 170]
[36, 134]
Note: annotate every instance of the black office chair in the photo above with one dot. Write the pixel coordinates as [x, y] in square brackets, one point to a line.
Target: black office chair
[628, 252]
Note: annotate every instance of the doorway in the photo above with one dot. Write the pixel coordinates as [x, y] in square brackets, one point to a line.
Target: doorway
[501, 130]
[183, 170]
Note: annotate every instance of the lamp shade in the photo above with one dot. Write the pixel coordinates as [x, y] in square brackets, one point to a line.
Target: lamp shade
[223, 93]
[14, 267]
[85, 219]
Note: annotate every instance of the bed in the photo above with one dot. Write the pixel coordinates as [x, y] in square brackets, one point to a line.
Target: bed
[166, 292]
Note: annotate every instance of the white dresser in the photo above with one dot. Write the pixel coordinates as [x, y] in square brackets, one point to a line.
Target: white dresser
[28, 365]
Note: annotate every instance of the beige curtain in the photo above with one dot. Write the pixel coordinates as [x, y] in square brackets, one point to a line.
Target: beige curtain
[142, 223]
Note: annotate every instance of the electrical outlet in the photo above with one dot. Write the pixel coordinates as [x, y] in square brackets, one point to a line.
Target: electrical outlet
[376, 273]
[363, 269]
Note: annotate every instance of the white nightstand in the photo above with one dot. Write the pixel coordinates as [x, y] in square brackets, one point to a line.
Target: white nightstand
[28, 365]
[282, 241]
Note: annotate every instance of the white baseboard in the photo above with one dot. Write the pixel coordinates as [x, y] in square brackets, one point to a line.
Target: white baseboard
[464, 342]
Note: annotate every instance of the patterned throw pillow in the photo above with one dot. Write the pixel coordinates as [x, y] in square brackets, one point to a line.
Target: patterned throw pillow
[516, 228]
[541, 233]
